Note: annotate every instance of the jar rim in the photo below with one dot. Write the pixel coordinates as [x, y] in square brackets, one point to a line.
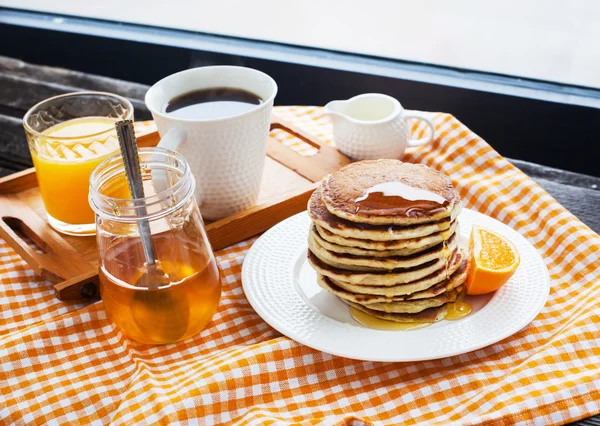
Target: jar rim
[136, 209]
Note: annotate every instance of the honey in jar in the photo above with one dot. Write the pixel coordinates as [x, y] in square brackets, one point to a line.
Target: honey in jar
[170, 313]
[186, 304]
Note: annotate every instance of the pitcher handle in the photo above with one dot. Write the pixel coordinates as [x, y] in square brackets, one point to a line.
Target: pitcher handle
[424, 140]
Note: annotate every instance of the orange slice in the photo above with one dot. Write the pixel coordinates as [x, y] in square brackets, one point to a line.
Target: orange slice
[493, 259]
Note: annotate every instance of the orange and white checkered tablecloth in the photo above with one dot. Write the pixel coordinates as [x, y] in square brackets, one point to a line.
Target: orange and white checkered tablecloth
[66, 363]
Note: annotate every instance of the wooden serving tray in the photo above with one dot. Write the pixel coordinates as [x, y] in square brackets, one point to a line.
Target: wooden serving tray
[71, 263]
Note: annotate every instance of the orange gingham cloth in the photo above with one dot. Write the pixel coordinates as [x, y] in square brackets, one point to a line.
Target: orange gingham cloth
[67, 363]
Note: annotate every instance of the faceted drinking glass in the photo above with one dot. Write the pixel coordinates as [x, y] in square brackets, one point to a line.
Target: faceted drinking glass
[68, 136]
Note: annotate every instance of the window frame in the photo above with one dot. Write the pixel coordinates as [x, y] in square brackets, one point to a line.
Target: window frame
[522, 118]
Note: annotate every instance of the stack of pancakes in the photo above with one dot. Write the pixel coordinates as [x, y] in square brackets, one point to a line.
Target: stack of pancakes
[384, 239]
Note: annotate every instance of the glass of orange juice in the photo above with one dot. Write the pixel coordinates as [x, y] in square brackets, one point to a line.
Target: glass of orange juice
[68, 136]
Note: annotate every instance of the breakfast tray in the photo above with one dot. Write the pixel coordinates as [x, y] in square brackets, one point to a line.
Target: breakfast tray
[71, 263]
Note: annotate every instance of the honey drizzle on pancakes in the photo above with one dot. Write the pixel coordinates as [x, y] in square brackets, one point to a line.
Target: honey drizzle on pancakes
[398, 198]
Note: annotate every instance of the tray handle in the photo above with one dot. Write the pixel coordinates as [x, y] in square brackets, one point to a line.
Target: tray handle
[56, 260]
[313, 168]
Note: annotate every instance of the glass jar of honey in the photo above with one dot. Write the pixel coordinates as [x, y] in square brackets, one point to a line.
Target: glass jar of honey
[185, 305]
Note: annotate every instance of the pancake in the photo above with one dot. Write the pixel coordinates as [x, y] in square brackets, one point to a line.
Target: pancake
[403, 288]
[427, 315]
[376, 278]
[357, 251]
[418, 305]
[457, 279]
[366, 263]
[412, 245]
[434, 282]
[319, 213]
[389, 192]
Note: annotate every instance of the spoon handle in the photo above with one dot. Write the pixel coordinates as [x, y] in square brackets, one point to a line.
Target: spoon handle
[131, 160]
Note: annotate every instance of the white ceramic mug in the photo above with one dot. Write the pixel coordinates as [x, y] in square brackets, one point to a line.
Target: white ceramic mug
[226, 155]
[373, 125]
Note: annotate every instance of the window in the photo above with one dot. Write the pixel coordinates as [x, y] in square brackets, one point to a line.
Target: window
[522, 75]
[553, 40]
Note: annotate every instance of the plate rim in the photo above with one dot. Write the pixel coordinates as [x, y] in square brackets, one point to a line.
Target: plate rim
[286, 331]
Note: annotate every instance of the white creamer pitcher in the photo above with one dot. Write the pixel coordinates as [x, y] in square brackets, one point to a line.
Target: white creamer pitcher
[373, 125]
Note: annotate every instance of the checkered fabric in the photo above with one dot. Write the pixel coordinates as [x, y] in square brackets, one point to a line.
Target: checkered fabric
[64, 363]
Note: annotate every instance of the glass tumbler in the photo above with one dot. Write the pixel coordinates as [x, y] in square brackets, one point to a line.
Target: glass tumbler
[184, 306]
[68, 136]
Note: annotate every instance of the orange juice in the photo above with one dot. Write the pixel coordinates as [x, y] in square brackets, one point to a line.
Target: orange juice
[64, 162]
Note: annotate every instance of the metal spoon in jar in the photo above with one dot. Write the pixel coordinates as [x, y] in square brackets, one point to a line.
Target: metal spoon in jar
[153, 277]
[161, 312]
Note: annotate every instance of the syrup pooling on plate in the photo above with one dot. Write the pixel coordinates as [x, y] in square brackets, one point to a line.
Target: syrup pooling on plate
[379, 324]
[398, 198]
[458, 310]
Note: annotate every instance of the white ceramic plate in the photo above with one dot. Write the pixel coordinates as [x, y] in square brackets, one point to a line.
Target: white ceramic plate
[281, 286]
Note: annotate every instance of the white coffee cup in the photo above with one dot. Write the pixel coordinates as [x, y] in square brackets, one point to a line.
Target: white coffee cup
[226, 155]
[373, 126]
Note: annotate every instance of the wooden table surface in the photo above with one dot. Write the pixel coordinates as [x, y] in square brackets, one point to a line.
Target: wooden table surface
[23, 85]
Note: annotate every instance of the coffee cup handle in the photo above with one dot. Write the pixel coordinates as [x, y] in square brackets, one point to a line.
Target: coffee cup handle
[171, 139]
[424, 140]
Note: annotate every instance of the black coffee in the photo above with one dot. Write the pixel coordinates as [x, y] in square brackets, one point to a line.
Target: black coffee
[207, 104]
